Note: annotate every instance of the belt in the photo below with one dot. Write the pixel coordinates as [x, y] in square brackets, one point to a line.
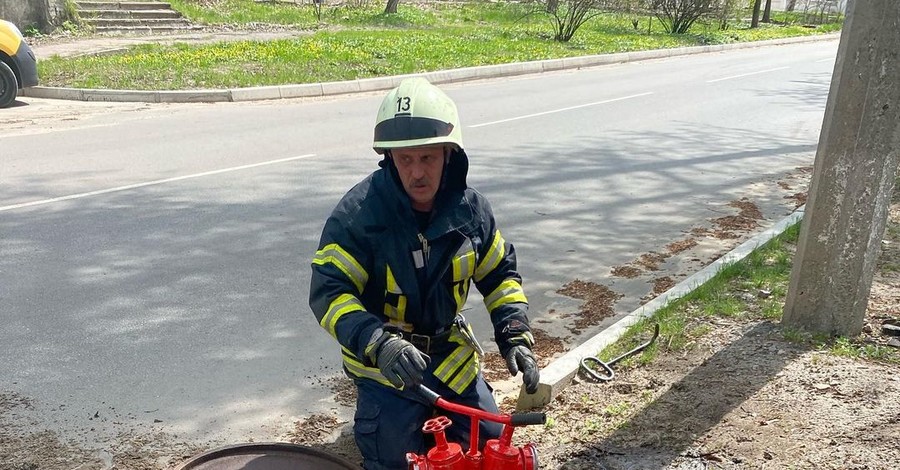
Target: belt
[424, 343]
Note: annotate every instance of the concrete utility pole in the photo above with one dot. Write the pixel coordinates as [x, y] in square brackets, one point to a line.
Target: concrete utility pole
[853, 177]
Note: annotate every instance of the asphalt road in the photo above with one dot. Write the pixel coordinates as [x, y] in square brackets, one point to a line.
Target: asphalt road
[154, 258]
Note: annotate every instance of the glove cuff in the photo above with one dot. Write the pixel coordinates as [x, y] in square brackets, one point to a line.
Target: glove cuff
[524, 338]
[378, 338]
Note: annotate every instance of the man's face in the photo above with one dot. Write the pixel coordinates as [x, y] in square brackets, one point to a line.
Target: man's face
[420, 170]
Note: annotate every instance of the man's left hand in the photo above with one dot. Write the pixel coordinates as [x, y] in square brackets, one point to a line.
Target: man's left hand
[521, 358]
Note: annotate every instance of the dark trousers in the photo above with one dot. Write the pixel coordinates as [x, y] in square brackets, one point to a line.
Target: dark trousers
[388, 422]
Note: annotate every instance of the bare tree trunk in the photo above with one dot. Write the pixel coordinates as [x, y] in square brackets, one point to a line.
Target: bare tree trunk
[391, 6]
[756, 6]
[767, 12]
[853, 176]
[552, 6]
[791, 4]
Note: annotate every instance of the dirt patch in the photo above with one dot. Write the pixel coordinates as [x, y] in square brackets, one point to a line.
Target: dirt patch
[546, 348]
[798, 198]
[679, 246]
[45, 450]
[10, 401]
[739, 399]
[317, 429]
[700, 231]
[628, 272]
[344, 390]
[662, 284]
[598, 303]
[735, 223]
[748, 209]
[744, 221]
[494, 367]
[724, 235]
[651, 260]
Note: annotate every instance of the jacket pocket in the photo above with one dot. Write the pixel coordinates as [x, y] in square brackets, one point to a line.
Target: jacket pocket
[463, 270]
[395, 302]
[365, 428]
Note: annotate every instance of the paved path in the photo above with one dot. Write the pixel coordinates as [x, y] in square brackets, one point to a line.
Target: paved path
[75, 46]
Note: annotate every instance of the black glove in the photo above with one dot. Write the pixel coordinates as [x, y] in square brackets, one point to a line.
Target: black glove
[521, 358]
[399, 361]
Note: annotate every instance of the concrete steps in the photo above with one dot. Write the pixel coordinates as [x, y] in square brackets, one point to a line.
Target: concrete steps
[132, 17]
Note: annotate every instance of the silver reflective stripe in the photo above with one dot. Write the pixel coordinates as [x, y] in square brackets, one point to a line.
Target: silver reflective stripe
[356, 368]
[466, 375]
[463, 266]
[509, 291]
[453, 362]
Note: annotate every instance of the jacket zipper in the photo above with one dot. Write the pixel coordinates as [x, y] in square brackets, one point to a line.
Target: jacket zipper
[425, 249]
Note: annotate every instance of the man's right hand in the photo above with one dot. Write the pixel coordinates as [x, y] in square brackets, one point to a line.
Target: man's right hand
[399, 361]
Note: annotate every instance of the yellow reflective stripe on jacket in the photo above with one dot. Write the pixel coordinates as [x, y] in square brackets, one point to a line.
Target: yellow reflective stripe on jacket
[397, 313]
[508, 291]
[340, 306]
[457, 358]
[461, 367]
[463, 269]
[490, 261]
[466, 375]
[463, 266]
[342, 260]
[355, 367]
[460, 294]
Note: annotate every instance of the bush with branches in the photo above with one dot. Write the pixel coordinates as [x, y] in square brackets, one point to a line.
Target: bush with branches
[677, 16]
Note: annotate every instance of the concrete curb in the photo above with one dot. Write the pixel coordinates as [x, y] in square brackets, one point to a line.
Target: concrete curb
[386, 83]
[556, 376]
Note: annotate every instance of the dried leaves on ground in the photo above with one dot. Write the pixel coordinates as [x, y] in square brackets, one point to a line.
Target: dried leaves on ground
[316, 429]
[598, 303]
[740, 399]
[741, 396]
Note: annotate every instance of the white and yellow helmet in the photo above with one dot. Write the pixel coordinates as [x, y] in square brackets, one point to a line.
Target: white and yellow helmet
[414, 114]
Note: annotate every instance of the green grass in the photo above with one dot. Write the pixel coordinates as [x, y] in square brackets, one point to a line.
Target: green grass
[242, 12]
[752, 289]
[362, 42]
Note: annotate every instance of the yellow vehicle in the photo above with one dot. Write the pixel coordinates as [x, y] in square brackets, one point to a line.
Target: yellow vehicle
[18, 67]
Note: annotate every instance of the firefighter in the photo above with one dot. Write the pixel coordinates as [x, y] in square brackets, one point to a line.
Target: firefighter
[392, 273]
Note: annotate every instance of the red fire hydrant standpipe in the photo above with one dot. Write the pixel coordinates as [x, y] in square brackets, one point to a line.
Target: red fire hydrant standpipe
[498, 454]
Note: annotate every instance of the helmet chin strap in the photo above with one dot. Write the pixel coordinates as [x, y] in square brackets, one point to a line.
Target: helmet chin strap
[448, 152]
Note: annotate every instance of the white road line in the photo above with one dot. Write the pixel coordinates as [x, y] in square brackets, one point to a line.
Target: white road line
[746, 74]
[148, 183]
[829, 59]
[561, 110]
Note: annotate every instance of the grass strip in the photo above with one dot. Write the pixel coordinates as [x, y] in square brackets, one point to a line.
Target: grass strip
[364, 43]
[753, 289]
